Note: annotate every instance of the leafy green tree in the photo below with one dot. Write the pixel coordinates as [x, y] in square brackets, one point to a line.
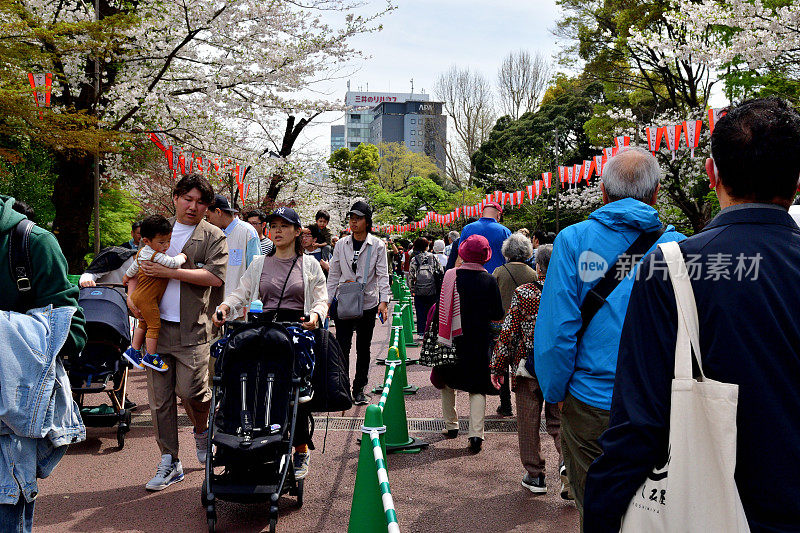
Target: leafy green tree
[28, 175]
[118, 209]
[398, 165]
[518, 151]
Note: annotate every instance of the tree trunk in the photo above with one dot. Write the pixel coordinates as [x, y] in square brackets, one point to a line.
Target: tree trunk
[72, 198]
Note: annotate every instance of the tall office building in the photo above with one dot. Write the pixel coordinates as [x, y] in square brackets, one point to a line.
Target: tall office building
[359, 115]
[337, 137]
[419, 124]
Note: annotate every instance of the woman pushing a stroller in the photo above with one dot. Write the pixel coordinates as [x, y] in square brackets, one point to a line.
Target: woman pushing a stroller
[291, 287]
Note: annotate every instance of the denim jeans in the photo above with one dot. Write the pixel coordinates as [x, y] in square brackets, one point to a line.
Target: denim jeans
[17, 518]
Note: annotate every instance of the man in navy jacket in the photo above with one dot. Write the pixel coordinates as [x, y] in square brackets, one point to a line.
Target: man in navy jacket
[745, 273]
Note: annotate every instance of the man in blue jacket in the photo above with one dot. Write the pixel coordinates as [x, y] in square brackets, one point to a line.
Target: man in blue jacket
[744, 269]
[490, 227]
[580, 371]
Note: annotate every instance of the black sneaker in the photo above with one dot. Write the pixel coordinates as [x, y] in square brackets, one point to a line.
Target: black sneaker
[475, 444]
[536, 485]
[450, 433]
[306, 394]
[566, 488]
[505, 410]
[359, 398]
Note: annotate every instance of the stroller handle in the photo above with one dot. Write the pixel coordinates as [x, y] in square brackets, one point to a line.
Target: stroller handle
[113, 285]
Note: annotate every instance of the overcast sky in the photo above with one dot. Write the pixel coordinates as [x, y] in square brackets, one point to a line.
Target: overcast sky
[421, 39]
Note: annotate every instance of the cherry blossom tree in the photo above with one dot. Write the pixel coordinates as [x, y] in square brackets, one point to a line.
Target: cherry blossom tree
[218, 77]
[757, 32]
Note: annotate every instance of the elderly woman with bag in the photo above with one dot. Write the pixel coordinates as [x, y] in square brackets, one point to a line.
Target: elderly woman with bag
[470, 315]
[517, 250]
[513, 346]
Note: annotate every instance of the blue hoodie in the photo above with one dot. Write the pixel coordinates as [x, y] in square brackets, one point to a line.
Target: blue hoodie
[587, 370]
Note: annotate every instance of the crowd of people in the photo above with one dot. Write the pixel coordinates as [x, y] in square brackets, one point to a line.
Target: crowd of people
[582, 325]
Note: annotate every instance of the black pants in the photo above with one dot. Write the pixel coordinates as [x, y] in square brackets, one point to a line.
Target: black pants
[304, 427]
[363, 328]
[505, 392]
[422, 305]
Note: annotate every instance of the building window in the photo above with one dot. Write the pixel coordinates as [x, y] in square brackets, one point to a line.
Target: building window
[355, 118]
[413, 132]
[413, 143]
[412, 121]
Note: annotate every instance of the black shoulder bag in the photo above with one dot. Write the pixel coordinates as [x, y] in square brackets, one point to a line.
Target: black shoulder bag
[20, 264]
[596, 297]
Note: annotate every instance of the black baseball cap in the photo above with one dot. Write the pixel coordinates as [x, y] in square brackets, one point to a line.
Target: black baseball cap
[286, 213]
[361, 209]
[220, 202]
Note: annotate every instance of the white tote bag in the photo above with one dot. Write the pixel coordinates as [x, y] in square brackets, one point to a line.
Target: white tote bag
[694, 492]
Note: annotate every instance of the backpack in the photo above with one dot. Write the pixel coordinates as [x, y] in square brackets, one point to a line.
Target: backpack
[426, 279]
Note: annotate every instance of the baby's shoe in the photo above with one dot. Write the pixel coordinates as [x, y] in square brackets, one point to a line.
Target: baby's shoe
[134, 357]
[154, 361]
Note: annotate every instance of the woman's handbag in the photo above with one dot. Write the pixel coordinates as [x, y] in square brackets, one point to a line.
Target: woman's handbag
[350, 294]
[694, 491]
[433, 352]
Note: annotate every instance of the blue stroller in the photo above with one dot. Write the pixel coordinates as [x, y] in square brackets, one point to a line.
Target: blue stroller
[100, 367]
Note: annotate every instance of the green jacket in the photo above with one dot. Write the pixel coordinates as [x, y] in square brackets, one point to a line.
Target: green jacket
[49, 280]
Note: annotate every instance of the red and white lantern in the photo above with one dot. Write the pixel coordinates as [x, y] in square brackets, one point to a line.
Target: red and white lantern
[42, 85]
[673, 132]
[714, 114]
[691, 133]
[654, 135]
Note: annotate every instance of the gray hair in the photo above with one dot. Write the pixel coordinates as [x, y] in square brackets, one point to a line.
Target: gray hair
[517, 247]
[543, 254]
[632, 173]
[453, 236]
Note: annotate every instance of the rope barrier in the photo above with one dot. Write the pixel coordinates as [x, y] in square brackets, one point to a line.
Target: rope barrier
[383, 483]
[387, 384]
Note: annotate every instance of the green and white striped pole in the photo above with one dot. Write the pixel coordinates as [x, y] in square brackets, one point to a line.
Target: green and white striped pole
[383, 482]
[367, 513]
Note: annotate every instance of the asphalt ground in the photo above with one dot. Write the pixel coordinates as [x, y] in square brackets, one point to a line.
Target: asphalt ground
[98, 487]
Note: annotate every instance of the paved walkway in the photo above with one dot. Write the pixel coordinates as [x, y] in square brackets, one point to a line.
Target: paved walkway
[97, 487]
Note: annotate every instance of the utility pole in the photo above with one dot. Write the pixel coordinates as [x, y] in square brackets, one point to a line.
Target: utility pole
[558, 186]
[97, 152]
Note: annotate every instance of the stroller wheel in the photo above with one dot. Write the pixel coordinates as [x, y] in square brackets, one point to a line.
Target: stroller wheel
[300, 485]
[273, 524]
[204, 494]
[121, 437]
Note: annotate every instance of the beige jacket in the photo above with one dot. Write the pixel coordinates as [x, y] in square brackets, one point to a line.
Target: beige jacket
[377, 272]
[315, 292]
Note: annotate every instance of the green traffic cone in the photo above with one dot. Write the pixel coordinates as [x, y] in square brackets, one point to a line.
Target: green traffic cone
[402, 376]
[366, 512]
[397, 320]
[408, 334]
[408, 324]
[397, 439]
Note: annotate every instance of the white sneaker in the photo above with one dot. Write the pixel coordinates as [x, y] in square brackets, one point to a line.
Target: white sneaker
[168, 472]
[201, 442]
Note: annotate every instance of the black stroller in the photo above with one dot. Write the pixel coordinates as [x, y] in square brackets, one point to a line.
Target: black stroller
[100, 367]
[252, 422]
